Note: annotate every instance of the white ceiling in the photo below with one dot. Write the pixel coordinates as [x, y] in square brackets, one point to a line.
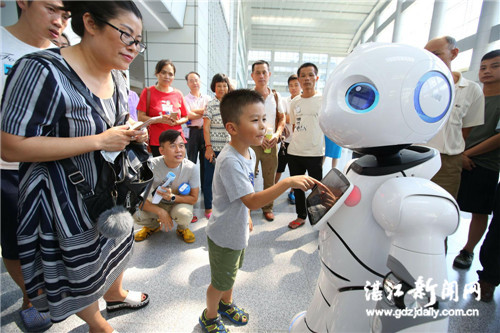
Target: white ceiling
[316, 26]
[160, 15]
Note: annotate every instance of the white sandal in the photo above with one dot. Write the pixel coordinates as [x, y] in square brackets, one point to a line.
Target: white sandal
[132, 301]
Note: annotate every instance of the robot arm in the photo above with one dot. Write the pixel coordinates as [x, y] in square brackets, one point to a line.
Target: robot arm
[417, 215]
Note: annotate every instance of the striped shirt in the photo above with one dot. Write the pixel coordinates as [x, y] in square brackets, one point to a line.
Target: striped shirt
[67, 265]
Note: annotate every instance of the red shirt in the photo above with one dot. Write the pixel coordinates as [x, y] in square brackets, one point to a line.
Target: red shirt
[162, 102]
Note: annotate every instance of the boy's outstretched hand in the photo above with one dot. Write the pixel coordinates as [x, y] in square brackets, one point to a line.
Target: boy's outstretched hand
[303, 183]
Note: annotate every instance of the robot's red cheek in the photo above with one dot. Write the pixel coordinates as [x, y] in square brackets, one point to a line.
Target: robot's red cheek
[354, 198]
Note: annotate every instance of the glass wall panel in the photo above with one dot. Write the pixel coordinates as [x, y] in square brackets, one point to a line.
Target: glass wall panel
[286, 56]
[462, 18]
[416, 23]
[254, 55]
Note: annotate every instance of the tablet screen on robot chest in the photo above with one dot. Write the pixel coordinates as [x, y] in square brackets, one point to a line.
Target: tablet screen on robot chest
[325, 200]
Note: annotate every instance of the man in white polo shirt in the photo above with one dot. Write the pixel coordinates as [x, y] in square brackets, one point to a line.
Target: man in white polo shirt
[196, 102]
[467, 112]
[275, 119]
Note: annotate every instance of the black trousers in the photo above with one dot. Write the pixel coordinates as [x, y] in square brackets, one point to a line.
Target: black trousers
[195, 148]
[489, 256]
[298, 165]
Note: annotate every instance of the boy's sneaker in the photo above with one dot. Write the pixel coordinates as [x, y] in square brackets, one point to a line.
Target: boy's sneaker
[214, 325]
[144, 233]
[463, 260]
[186, 235]
[291, 198]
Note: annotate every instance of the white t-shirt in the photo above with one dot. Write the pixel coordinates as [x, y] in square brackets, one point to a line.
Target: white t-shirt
[233, 179]
[270, 105]
[467, 111]
[11, 49]
[307, 138]
[287, 103]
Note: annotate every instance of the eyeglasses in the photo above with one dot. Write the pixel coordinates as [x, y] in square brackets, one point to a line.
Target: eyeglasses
[127, 38]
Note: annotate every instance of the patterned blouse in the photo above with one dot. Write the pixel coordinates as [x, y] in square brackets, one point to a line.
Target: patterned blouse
[218, 134]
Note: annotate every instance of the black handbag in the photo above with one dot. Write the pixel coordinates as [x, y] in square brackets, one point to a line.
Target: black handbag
[121, 185]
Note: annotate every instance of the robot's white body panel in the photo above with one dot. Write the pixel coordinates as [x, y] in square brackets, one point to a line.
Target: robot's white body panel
[354, 248]
[379, 100]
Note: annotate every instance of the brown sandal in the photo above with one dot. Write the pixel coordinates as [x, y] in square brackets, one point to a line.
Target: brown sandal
[296, 224]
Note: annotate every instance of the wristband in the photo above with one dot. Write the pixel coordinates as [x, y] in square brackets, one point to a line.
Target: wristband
[206, 146]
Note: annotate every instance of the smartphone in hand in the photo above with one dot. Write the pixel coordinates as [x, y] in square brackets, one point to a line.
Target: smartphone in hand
[174, 115]
[140, 125]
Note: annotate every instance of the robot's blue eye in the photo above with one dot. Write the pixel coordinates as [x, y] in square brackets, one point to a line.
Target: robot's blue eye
[432, 97]
[362, 97]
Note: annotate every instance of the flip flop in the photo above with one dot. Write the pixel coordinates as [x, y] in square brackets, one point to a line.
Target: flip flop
[35, 321]
[195, 219]
[132, 301]
[295, 224]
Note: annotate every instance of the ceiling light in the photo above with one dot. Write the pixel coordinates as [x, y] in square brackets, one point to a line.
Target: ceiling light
[280, 20]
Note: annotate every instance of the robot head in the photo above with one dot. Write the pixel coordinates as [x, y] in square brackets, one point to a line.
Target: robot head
[386, 95]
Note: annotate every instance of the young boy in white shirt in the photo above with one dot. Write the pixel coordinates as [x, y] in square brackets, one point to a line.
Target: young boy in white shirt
[243, 115]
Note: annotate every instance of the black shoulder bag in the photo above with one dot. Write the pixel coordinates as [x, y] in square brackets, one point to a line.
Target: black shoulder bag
[121, 185]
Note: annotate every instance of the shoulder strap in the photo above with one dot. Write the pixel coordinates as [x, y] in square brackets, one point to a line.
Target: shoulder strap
[276, 99]
[77, 83]
[74, 175]
[276, 123]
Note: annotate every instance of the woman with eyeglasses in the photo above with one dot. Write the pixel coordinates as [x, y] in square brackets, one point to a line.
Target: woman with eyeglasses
[67, 265]
[215, 134]
[166, 105]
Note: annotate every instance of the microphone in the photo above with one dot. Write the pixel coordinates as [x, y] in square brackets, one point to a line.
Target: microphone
[169, 179]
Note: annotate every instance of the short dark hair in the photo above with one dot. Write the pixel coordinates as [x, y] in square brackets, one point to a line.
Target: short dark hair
[292, 77]
[162, 63]
[100, 11]
[169, 136]
[491, 55]
[260, 62]
[219, 77]
[232, 104]
[307, 64]
[192, 72]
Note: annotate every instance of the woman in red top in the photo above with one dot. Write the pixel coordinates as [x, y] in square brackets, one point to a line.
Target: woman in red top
[165, 101]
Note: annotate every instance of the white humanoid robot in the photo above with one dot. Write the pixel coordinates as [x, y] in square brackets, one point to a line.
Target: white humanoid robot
[391, 224]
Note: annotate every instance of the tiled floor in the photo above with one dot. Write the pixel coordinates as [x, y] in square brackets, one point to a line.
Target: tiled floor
[276, 282]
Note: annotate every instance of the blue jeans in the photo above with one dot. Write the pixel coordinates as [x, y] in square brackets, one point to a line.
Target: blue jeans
[207, 182]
